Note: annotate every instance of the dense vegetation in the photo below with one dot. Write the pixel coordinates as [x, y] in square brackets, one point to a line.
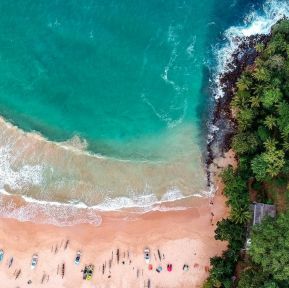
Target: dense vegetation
[261, 143]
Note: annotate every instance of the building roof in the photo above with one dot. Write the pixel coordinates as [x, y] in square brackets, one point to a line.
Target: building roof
[261, 210]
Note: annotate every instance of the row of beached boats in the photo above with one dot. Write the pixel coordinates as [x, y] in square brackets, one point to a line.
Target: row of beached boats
[87, 271]
[34, 259]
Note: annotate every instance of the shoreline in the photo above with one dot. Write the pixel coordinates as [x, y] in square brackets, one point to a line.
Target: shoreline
[222, 124]
[185, 237]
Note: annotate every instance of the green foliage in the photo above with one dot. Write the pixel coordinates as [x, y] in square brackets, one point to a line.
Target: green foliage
[282, 27]
[270, 122]
[235, 188]
[283, 119]
[224, 230]
[270, 247]
[245, 118]
[259, 167]
[268, 164]
[263, 108]
[254, 277]
[276, 62]
[221, 272]
[261, 142]
[240, 215]
[275, 161]
[271, 97]
[245, 143]
[263, 133]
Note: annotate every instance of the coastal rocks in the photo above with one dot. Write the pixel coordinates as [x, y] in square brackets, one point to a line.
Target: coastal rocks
[223, 125]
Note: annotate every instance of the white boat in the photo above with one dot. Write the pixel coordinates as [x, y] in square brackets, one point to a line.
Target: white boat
[147, 255]
[34, 261]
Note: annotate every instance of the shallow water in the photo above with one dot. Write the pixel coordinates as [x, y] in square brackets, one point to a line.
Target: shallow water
[121, 92]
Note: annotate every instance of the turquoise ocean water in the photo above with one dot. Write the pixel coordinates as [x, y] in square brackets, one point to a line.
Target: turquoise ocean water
[123, 86]
[109, 71]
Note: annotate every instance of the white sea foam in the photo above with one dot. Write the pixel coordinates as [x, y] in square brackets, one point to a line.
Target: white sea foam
[21, 178]
[164, 116]
[254, 23]
[191, 48]
[78, 212]
[68, 214]
[172, 194]
[42, 212]
[76, 143]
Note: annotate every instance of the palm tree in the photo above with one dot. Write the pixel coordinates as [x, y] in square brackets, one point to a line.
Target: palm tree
[270, 144]
[255, 102]
[270, 122]
[285, 145]
[260, 47]
[244, 83]
[240, 215]
[261, 74]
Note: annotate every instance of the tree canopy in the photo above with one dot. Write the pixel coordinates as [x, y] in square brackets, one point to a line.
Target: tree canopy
[261, 142]
[270, 247]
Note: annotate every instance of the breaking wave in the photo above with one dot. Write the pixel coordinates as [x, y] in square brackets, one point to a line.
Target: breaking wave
[255, 22]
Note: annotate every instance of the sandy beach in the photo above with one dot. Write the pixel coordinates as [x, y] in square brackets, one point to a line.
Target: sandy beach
[179, 238]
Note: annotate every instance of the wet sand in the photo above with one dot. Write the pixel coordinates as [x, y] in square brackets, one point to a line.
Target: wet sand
[182, 237]
[50, 171]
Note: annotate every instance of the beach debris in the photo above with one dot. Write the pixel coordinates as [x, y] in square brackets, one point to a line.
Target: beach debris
[207, 268]
[186, 267]
[196, 265]
[43, 277]
[123, 262]
[159, 269]
[56, 249]
[34, 261]
[159, 253]
[77, 258]
[147, 256]
[150, 267]
[148, 284]
[10, 262]
[66, 244]
[18, 274]
[1, 255]
[29, 282]
[170, 267]
[117, 256]
[88, 272]
[109, 263]
[57, 269]
[164, 256]
[103, 268]
[63, 270]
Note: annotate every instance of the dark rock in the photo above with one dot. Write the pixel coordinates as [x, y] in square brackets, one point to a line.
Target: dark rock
[222, 119]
